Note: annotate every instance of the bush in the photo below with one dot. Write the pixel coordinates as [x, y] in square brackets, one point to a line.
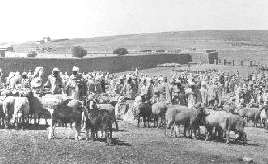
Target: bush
[120, 51]
[78, 51]
[32, 54]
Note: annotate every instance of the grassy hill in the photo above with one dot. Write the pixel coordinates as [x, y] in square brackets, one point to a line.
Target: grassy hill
[228, 42]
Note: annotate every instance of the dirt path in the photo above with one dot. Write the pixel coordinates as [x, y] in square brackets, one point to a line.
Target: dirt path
[132, 145]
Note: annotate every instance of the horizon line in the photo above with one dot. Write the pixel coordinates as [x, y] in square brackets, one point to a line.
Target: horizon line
[144, 33]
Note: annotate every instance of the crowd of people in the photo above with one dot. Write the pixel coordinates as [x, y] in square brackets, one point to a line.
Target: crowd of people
[210, 88]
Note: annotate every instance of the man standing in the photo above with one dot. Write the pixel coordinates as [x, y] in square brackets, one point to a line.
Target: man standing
[54, 82]
[76, 85]
[204, 93]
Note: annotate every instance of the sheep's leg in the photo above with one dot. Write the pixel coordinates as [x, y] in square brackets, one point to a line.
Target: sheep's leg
[144, 121]
[87, 134]
[176, 127]
[22, 121]
[16, 120]
[108, 135]
[227, 136]
[116, 123]
[36, 119]
[138, 125]
[6, 121]
[172, 130]
[78, 131]
[52, 126]
[93, 134]
[157, 122]
[207, 133]
[154, 118]
[148, 121]
[186, 128]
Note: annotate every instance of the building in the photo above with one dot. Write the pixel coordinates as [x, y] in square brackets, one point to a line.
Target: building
[4, 49]
[204, 57]
[44, 40]
[3, 52]
[213, 57]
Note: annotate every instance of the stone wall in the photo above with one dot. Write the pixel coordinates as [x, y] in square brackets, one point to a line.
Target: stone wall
[110, 64]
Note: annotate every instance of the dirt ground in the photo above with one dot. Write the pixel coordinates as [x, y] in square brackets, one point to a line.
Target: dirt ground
[131, 145]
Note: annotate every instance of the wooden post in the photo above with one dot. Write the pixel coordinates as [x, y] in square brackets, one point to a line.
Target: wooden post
[233, 63]
[241, 62]
[224, 61]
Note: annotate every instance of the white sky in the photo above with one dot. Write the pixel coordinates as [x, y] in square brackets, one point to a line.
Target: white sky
[23, 20]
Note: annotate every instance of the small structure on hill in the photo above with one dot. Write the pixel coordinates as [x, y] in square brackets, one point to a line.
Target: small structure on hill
[44, 40]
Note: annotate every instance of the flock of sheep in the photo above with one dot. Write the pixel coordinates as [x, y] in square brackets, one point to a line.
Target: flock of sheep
[96, 115]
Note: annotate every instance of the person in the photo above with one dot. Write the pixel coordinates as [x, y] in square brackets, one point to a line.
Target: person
[164, 88]
[98, 86]
[265, 96]
[2, 84]
[212, 93]
[136, 86]
[103, 84]
[90, 85]
[25, 81]
[54, 82]
[175, 91]
[119, 85]
[37, 82]
[128, 88]
[142, 87]
[204, 93]
[77, 85]
[30, 75]
[191, 95]
[150, 89]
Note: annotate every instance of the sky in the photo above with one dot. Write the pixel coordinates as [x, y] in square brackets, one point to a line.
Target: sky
[26, 20]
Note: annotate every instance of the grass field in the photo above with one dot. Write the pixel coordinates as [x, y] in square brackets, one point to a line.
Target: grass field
[131, 145]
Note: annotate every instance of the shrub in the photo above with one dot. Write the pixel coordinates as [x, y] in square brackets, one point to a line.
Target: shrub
[120, 51]
[78, 51]
[32, 54]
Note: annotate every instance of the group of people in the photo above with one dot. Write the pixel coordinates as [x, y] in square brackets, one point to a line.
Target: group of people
[55, 83]
[211, 88]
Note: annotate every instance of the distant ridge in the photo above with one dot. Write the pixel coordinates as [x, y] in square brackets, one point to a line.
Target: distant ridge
[202, 39]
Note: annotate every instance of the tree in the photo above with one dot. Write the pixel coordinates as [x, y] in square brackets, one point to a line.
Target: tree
[78, 51]
[120, 51]
[32, 54]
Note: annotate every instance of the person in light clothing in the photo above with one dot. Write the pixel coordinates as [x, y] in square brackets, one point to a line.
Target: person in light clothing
[191, 98]
[54, 82]
[204, 93]
[37, 82]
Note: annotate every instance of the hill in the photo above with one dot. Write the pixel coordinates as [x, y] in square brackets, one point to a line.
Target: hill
[228, 41]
